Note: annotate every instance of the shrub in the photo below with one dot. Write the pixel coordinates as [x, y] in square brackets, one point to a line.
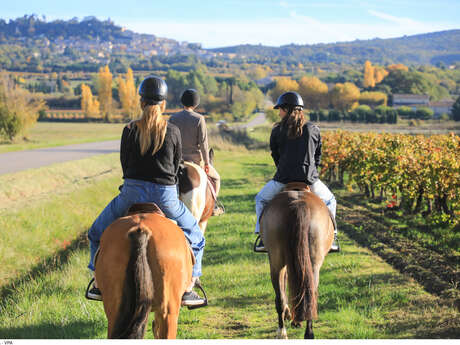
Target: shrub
[424, 113]
[10, 125]
[406, 111]
[444, 117]
[272, 115]
[20, 109]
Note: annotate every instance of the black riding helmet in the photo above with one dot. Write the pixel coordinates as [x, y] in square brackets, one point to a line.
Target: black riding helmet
[289, 99]
[153, 90]
[190, 98]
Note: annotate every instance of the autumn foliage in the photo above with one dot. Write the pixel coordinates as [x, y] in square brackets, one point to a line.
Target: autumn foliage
[128, 95]
[415, 173]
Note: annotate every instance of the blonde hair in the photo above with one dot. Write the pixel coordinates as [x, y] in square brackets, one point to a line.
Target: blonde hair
[152, 127]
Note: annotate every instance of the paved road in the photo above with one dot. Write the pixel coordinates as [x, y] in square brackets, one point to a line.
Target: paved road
[256, 121]
[22, 160]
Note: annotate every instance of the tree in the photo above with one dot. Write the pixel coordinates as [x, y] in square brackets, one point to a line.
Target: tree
[456, 110]
[379, 74]
[397, 67]
[104, 90]
[89, 103]
[283, 85]
[18, 109]
[313, 92]
[373, 99]
[345, 96]
[369, 80]
[128, 95]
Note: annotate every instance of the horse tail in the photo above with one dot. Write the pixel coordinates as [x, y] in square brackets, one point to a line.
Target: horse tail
[138, 289]
[300, 270]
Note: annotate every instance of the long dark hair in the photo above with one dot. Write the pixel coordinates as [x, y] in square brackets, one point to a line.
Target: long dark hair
[294, 121]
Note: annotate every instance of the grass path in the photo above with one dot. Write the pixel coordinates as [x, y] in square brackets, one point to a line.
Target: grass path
[361, 296]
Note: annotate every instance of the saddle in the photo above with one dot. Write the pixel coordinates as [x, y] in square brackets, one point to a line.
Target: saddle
[297, 186]
[146, 207]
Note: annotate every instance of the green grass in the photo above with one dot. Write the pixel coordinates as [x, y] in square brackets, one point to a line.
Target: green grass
[48, 134]
[360, 295]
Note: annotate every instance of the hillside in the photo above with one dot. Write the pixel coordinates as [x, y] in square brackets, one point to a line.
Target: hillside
[430, 48]
[32, 44]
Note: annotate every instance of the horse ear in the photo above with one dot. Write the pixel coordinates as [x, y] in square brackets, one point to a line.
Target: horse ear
[211, 155]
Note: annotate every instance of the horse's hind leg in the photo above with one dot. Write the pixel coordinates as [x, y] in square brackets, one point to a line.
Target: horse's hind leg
[278, 282]
[165, 325]
[283, 282]
[309, 330]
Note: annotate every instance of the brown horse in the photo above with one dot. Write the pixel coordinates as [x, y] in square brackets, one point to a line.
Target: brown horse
[144, 264]
[297, 231]
[196, 191]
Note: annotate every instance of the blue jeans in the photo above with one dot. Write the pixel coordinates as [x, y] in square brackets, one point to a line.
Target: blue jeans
[138, 191]
[273, 187]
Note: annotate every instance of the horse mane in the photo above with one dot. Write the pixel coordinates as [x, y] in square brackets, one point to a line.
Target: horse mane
[138, 288]
[300, 270]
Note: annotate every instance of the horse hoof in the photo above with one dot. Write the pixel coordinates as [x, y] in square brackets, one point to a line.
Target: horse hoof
[281, 334]
[309, 336]
[295, 324]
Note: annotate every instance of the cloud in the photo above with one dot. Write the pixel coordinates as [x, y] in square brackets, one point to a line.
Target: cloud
[393, 19]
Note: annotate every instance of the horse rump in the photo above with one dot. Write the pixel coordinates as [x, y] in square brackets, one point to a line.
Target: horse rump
[137, 290]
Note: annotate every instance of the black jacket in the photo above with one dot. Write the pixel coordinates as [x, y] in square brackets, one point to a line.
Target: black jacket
[161, 168]
[296, 159]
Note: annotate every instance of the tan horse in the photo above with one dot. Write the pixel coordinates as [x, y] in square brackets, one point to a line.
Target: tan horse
[143, 265]
[297, 231]
[196, 192]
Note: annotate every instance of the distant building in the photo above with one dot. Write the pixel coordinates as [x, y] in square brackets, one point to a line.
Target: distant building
[442, 107]
[408, 100]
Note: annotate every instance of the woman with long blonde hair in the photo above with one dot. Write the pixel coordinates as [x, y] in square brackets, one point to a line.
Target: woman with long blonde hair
[150, 153]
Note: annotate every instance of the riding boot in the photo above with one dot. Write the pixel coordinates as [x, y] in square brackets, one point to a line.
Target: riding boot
[335, 247]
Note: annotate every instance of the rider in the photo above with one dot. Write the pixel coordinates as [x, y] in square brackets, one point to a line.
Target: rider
[150, 153]
[194, 136]
[295, 146]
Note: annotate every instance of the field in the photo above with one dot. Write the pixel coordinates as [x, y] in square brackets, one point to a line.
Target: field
[43, 273]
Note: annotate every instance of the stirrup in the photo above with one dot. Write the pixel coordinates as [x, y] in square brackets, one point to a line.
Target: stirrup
[257, 245]
[87, 291]
[198, 285]
[218, 205]
[335, 250]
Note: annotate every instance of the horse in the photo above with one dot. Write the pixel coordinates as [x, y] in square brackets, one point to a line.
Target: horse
[143, 265]
[196, 192]
[297, 231]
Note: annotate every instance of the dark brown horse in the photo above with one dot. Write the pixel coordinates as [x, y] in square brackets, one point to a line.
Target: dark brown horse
[297, 231]
[143, 265]
[196, 191]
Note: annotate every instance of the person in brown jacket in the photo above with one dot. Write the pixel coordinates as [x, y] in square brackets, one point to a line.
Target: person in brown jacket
[194, 136]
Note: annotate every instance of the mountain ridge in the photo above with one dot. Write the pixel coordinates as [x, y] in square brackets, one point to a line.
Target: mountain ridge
[32, 33]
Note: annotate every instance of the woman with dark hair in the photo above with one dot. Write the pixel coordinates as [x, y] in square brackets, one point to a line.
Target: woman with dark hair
[150, 154]
[295, 146]
[194, 137]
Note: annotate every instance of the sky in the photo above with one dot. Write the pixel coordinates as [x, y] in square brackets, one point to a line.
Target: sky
[221, 23]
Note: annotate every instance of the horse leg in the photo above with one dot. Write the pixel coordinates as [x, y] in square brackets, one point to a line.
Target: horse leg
[277, 277]
[309, 330]
[283, 284]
